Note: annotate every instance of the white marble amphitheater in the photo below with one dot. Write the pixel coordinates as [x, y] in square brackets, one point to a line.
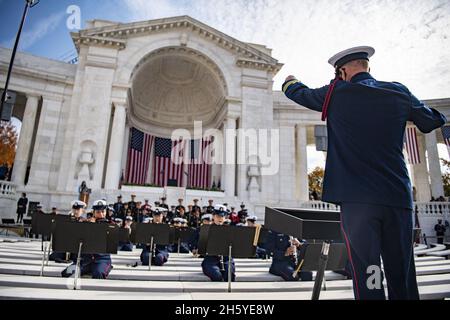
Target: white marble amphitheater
[157, 76]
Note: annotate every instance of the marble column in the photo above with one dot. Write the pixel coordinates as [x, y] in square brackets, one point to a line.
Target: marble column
[421, 177]
[434, 165]
[113, 171]
[301, 163]
[229, 166]
[24, 144]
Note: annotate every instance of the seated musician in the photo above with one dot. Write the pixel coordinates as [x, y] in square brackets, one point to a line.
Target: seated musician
[193, 241]
[97, 265]
[161, 253]
[261, 253]
[75, 215]
[287, 255]
[194, 218]
[184, 247]
[216, 267]
[126, 246]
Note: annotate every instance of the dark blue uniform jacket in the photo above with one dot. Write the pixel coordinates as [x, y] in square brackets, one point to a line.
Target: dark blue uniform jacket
[366, 125]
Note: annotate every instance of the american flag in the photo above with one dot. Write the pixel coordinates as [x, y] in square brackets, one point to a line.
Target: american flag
[200, 164]
[412, 146]
[139, 150]
[446, 135]
[168, 161]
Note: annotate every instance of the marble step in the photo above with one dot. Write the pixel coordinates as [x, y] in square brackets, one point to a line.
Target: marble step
[156, 274]
[429, 292]
[172, 286]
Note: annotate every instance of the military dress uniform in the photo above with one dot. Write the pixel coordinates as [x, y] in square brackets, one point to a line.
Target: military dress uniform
[282, 265]
[98, 265]
[216, 267]
[160, 258]
[366, 172]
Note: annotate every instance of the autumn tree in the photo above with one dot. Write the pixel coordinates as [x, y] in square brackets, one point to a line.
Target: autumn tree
[8, 143]
[315, 180]
[446, 177]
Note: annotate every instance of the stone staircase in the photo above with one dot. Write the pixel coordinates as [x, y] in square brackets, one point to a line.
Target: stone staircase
[181, 279]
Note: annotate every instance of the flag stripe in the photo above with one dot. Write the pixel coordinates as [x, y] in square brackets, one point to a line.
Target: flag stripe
[138, 161]
[412, 146]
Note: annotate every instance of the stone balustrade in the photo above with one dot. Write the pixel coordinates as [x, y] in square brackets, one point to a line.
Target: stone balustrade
[7, 190]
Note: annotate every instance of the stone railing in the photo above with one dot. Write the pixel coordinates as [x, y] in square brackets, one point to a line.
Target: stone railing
[432, 208]
[7, 190]
[319, 205]
[422, 208]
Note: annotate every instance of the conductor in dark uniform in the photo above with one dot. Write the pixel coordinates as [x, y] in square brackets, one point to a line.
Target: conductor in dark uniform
[365, 170]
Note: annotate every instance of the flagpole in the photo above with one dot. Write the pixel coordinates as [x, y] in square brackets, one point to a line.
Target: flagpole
[28, 4]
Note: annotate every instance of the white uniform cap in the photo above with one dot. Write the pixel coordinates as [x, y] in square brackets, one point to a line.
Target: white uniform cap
[356, 53]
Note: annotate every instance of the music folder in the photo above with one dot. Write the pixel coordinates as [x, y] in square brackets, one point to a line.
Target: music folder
[68, 235]
[143, 232]
[215, 240]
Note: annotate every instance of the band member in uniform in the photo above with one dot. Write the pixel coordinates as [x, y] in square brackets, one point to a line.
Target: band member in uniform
[163, 203]
[365, 172]
[242, 214]
[206, 219]
[75, 215]
[132, 205]
[287, 254]
[234, 217]
[194, 219]
[196, 206]
[119, 208]
[440, 231]
[147, 205]
[21, 207]
[180, 205]
[126, 246]
[216, 267]
[210, 207]
[98, 265]
[261, 253]
[161, 253]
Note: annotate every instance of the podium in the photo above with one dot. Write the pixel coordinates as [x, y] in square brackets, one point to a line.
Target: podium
[153, 233]
[231, 241]
[326, 250]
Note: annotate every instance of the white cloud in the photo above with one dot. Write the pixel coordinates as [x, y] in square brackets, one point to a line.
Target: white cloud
[412, 38]
[36, 32]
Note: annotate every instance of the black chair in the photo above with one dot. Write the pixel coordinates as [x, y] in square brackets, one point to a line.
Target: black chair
[8, 221]
[27, 222]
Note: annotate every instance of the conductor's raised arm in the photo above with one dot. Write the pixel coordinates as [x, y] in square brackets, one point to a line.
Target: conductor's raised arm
[425, 118]
[299, 93]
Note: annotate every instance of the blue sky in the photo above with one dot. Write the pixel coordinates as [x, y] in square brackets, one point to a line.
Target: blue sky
[411, 37]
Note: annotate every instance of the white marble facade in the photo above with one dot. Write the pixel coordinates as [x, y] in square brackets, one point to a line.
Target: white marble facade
[157, 76]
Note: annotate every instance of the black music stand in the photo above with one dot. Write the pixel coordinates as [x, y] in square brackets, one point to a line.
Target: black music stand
[231, 241]
[82, 237]
[116, 234]
[182, 234]
[42, 224]
[153, 233]
[315, 226]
